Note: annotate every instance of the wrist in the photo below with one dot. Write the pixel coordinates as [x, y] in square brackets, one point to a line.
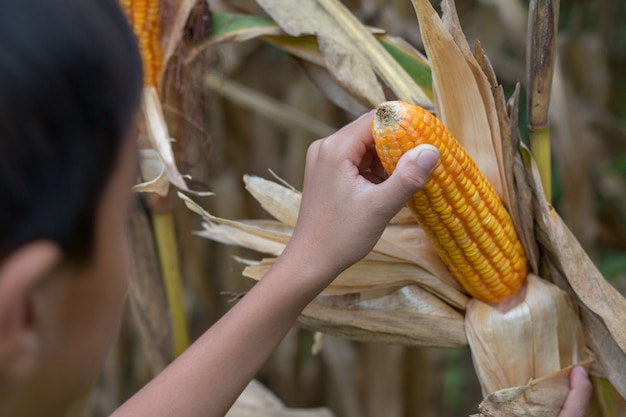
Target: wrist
[307, 265]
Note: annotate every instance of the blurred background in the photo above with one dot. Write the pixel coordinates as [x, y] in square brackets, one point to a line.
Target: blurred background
[218, 141]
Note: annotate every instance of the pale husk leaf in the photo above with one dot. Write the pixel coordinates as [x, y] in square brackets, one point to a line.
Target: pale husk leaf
[525, 339]
[153, 174]
[247, 227]
[159, 139]
[370, 274]
[237, 236]
[407, 316]
[281, 202]
[459, 102]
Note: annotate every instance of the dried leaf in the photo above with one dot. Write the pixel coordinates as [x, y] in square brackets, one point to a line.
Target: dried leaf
[159, 137]
[387, 68]
[249, 227]
[397, 322]
[343, 58]
[331, 89]
[235, 236]
[518, 183]
[351, 69]
[280, 202]
[610, 359]
[371, 274]
[352, 54]
[411, 243]
[153, 174]
[603, 307]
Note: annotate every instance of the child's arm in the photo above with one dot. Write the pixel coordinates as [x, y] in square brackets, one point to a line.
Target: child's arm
[345, 208]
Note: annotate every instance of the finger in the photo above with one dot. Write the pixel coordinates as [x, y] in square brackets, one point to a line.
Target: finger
[580, 392]
[411, 174]
[353, 140]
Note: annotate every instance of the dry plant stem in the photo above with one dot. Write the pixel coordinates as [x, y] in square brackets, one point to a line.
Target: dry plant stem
[165, 236]
[274, 110]
[540, 148]
[542, 29]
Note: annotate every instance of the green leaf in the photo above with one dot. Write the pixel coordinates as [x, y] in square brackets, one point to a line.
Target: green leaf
[226, 26]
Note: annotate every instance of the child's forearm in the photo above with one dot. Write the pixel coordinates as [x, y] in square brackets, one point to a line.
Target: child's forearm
[207, 378]
[346, 204]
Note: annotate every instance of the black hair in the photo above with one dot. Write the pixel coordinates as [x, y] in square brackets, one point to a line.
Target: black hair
[70, 83]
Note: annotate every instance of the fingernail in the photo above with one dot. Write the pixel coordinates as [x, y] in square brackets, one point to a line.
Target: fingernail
[427, 157]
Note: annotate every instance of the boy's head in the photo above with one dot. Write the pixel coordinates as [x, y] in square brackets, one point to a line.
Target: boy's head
[70, 82]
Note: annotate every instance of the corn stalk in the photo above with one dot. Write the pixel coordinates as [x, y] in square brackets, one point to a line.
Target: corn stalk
[542, 33]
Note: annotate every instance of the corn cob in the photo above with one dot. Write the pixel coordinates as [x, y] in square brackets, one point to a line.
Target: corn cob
[144, 17]
[458, 208]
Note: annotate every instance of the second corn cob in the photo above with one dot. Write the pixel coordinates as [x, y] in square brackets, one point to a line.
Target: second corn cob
[458, 208]
[144, 17]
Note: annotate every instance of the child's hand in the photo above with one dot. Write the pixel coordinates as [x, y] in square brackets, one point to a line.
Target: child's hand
[346, 201]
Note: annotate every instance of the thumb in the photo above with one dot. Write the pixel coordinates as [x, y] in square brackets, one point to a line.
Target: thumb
[412, 172]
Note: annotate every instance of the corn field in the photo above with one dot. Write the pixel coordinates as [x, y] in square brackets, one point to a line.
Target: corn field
[243, 87]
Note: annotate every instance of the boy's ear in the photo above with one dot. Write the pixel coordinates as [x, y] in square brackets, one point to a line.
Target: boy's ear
[20, 274]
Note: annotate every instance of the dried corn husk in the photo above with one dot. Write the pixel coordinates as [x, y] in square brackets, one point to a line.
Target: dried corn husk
[537, 335]
[158, 141]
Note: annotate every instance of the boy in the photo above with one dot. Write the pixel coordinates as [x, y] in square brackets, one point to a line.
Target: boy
[70, 81]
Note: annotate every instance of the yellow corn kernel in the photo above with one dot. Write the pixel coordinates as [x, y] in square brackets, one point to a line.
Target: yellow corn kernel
[458, 208]
[144, 17]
